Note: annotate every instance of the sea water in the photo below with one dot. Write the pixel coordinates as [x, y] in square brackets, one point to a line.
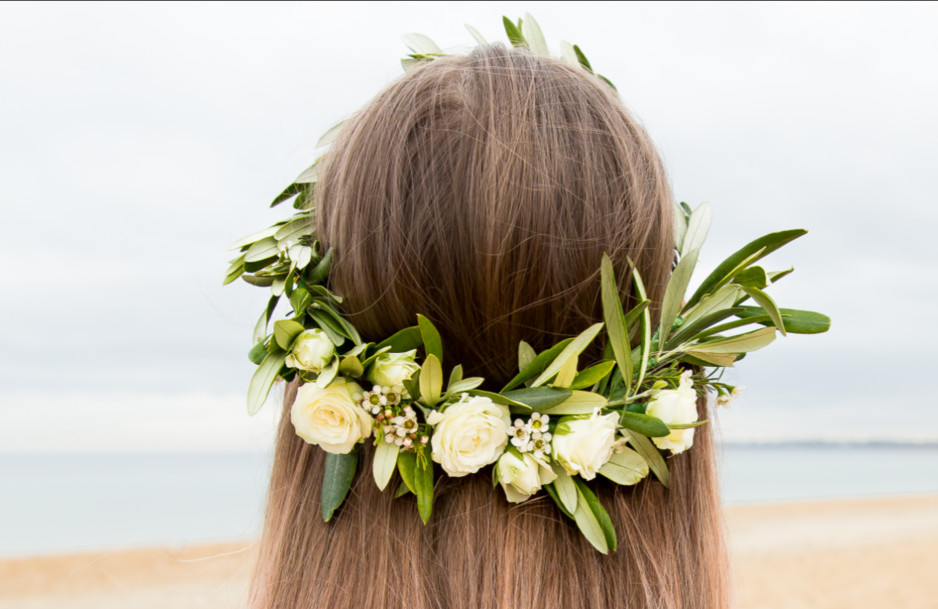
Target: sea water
[79, 502]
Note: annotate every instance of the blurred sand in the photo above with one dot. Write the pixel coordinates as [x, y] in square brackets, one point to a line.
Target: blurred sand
[832, 554]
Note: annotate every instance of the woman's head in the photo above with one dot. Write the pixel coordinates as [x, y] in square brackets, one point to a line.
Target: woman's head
[482, 191]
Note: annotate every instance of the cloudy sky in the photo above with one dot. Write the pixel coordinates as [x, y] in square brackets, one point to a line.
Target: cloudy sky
[138, 141]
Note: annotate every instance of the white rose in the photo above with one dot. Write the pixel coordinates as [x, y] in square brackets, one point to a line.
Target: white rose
[588, 445]
[521, 478]
[392, 369]
[469, 434]
[312, 351]
[676, 407]
[330, 417]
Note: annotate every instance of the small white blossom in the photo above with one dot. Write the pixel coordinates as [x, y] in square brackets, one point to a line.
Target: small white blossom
[393, 394]
[540, 444]
[402, 428]
[538, 422]
[520, 434]
[532, 437]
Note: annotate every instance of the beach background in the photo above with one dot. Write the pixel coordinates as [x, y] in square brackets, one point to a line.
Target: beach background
[138, 141]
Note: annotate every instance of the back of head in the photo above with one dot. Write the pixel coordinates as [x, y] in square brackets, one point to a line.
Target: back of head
[482, 191]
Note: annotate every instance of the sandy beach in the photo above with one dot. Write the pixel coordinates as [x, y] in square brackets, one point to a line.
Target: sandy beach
[811, 555]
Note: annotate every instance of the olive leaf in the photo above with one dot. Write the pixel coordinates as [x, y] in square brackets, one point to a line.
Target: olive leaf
[337, 480]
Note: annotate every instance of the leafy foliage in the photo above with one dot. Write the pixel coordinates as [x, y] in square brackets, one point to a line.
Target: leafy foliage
[695, 339]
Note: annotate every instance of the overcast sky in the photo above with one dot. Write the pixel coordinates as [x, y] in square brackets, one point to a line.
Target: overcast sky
[138, 141]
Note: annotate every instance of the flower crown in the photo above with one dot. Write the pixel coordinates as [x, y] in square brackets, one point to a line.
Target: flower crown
[557, 424]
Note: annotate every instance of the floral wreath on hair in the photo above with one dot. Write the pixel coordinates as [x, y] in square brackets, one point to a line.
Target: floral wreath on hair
[556, 425]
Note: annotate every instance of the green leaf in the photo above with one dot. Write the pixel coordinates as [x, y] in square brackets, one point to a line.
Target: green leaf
[534, 36]
[733, 324]
[753, 276]
[776, 275]
[537, 364]
[340, 324]
[304, 200]
[288, 193]
[538, 398]
[328, 373]
[592, 375]
[607, 81]
[476, 35]
[351, 366]
[300, 299]
[579, 402]
[566, 489]
[235, 270]
[258, 281]
[644, 424]
[464, 385]
[568, 55]
[743, 343]
[724, 298]
[593, 520]
[796, 321]
[263, 249]
[255, 237]
[500, 398]
[401, 490]
[626, 467]
[634, 315]
[423, 480]
[582, 59]
[277, 287]
[286, 331]
[455, 375]
[616, 328]
[263, 380]
[334, 331]
[763, 245]
[432, 342]
[403, 340]
[260, 329]
[698, 225]
[552, 491]
[337, 480]
[572, 350]
[431, 380]
[674, 293]
[646, 326]
[708, 359]
[385, 462]
[768, 305]
[681, 220]
[406, 464]
[299, 226]
[692, 330]
[526, 355]
[257, 353]
[514, 34]
[319, 272]
[644, 447]
[329, 136]
[567, 373]
[421, 45]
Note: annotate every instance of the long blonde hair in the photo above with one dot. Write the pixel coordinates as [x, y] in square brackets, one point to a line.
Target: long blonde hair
[482, 191]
